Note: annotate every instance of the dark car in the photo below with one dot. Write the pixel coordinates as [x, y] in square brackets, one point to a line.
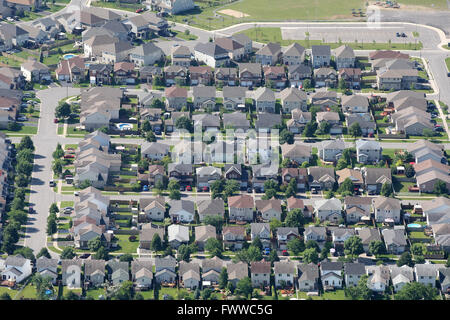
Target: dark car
[397, 34]
[182, 188]
[403, 35]
[257, 189]
[314, 191]
[249, 190]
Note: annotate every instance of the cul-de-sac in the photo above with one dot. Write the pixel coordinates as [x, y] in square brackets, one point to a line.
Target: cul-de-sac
[224, 150]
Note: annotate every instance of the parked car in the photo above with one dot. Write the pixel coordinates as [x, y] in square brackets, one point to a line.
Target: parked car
[22, 118]
[397, 34]
[76, 193]
[182, 188]
[266, 251]
[51, 183]
[188, 188]
[55, 120]
[31, 209]
[285, 253]
[145, 188]
[249, 190]
[205, 189]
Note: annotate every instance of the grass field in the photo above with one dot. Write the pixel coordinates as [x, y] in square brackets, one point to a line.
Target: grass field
[447, 62]
[266, 35]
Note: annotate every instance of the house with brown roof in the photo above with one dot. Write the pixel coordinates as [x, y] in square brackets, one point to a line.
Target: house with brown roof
[250, 74]
[354, 175]
[152, 208]
[351, 77]
[72, 69]
[356, 208]
[374, 179]
[147, 233]
[226, 76]
[325, 77]
[274, 77]
[299, 174]
[241, 207]
[387, 54]
[200, 75]
[175, 74]
[233, 237]
[269, 209]
[260, 273]
[293, 98]
[235, 50]
[321, 178]
[176, 97]
[296, 203]
[297, 152]
[124, 73]
[203, 233]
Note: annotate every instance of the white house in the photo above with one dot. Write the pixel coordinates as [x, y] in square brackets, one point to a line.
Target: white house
[17, 268]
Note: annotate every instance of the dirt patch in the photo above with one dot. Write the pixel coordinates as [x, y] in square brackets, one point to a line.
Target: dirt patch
[233, 13]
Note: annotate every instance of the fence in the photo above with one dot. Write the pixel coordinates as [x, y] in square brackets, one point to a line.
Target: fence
[127, 232]
[392, 136]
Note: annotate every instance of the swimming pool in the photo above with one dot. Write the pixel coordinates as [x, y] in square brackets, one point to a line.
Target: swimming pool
[124, 126]
[68, 56]
[414, 226]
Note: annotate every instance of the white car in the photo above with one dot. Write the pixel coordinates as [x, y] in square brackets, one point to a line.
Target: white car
[76, 193]
[22, 118]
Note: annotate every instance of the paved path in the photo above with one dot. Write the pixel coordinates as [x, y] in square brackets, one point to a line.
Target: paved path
[45, 141]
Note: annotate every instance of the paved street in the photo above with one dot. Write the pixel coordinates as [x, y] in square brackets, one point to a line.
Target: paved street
[42, 196]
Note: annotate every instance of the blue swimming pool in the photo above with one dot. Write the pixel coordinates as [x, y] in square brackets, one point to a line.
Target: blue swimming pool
[124, 126]
[68, 56]
[414, 226]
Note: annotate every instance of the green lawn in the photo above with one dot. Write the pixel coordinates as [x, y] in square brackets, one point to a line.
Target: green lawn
[94, 293]
[447, 62]
[66, 204]
[266, 35]
[23, 130]
[29, 292]
[184, 36]
[125, 245]
[115, 5]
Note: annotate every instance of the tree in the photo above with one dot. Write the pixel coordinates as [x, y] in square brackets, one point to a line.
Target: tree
[254, 254]
[42, 284]
[216, 221]
[52, 225]
[68, 253]
[310, 256]
[126, 291]
[146, 126]
[286, 137]
[25, 252]
[94, 244]
[273, 256]
[5, 296]
[342, 85]
[309, 129]
[257, 243]
[427, 133]
[26, 143]
[291, 189]
[346, 187]
[63, 110]
[405, 259]
[156, 244]
[223, 278]
[101, 254]
[324, 128]
[19, 216]
[53, 208]
[341, 164]
[174, 190]
[25, 155]
[206, 293]
[13, 126]
[150, 137]
[127, 257]
[355, 130]
[312, 244]
[440, 188]
[376, 247]
[296, 246]
[447, 264]
[275, 224]
[59, 152]
[244, 287]
[409, 171]
[359, 292]
[184, 253]
[25, 168]
[294, 218]
[386, 189]
[231, 187]
[214, 246]
[418, 249]
[416, 291]
[43, 253]
[183, 122]
[85, 184]
[354, 245]
[21, 180]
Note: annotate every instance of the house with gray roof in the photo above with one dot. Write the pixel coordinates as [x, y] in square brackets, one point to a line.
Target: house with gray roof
[203, 233]
[328, 209]
[213, 207]
[211, 269]
[207, 175]
[47, 268]
[264, 100]
[266, 121]
[365, 121]
[154, 150]
[294, 54]
[387, 209]
[318, 234]
[181, 210]
[269, 54]
[236, 272]
[118, 271]
[353, 272]
[204, 97]
[374, 179]
[355, 103]
[147, 233]
[367, 236]
[308, 277]
[262, 231]
[250, 74]
[146, 54]
[233, 97]
[321, 56]
[260, 273]
[321, 178]
[189, 273]
[211, 54]
[172, 7]
[400, 276]
[236, 120]
[245, 41]
[285, 272]
[177, 234]
[395, 240]
[94, 272]
[284, 235]
[331, 275]
[298, 73]
[293, 98]
[444, 279]
[165, 269]
[368, 151]
[345, 57]
[426, 273]
[331, 150]
[379, 277]
[142, 273]
[71, 272]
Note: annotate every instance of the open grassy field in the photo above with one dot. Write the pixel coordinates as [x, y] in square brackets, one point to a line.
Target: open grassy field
[268, 10]
[447, 62]
[266, 35]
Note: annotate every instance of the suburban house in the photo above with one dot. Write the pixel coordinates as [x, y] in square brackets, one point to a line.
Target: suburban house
[34, 71]
[260, 273]
[294, 54]
[264, 100]
[176, 97]
[152, 208]
[274, 77]
[146, 235]
[367, 236]
[124, 73]
[298, 73]
[47, 268]
[299, 174]
[354, 175]
[328, 209]
[211, 269]
[331, 275]
[261, 231]
[269, 54]
[351, 77]
[395, 240]
[426, 274]
[146, 54]
[318, 234]
[203, 233]
[210, 207]
[154, 150]
[331, 150]
[321, 56]
[204, 97]
[368, 151]
[355, 104]
[298, 121]
[284, 235]
[331, 118]
[269, 209]
[211, 54]
[325, 77]
[94, 272]
[250, 74]
[296, 203]
[356, 208]
[189, 275]
[236, 272]
[200, 75]
[401, 276]
[181, 211]
[365, 121]
[226, 76]
[233, 98]
[292, 98]
[308, 277]
[72, 69]
[16, 269]
[241, 207]
[378, 279]
[142, 273]
[297, 152]
[386, 209]
[181, 172]
[165, 269]
[177, 235]
[245, 41]
[207, 175]
[345, 57]
[175, 74]
[375, 178]
[285, 272]
[321, 178]
[353, 272]
[172, 7]
[236, 51]
[71, 272]
[233, 237]
[181, 56]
